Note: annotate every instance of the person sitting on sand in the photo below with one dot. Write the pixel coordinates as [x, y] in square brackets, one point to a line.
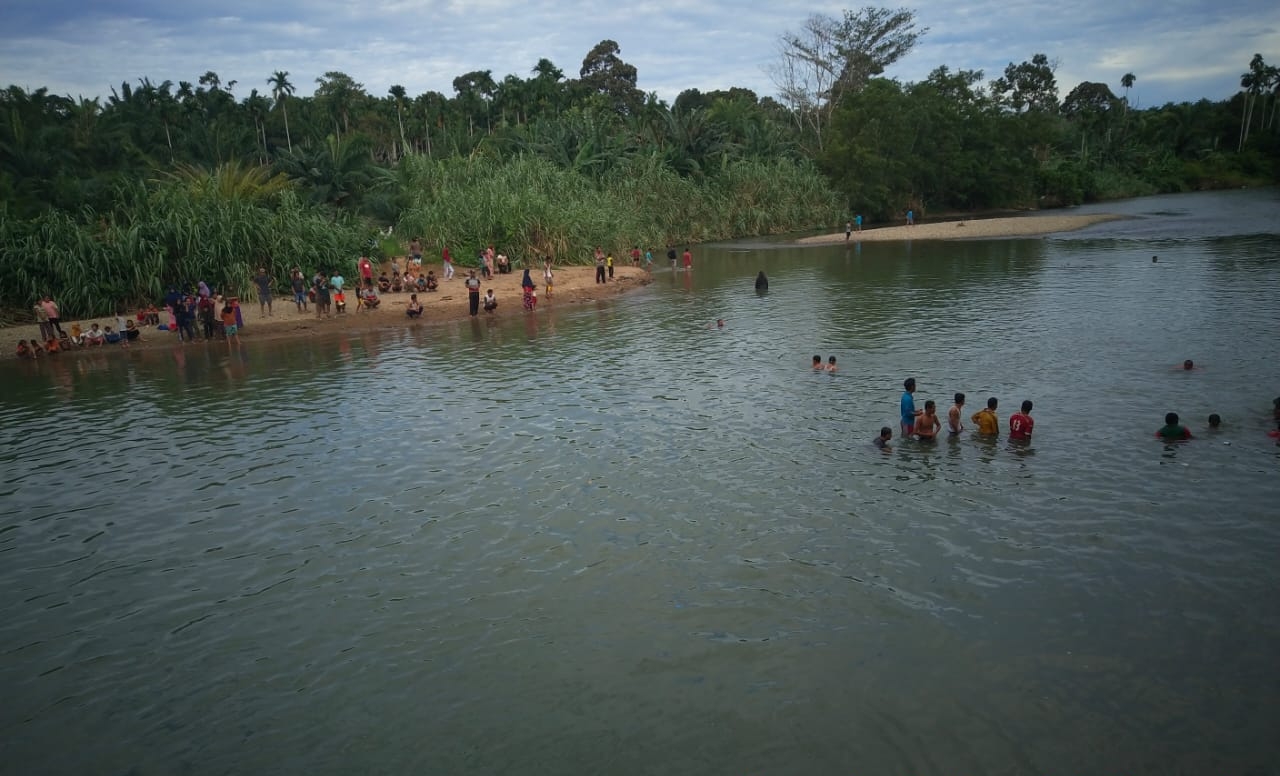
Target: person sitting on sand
[93, 337]
[111, 337]
[1173, 431]
[131, 331]
[882, 441]
[384, 283]
[397, 284]
[490, 301]
[927, 425]
[414, 308]
[369, 298]
[504, 264]
[77, 336]
[430, 282]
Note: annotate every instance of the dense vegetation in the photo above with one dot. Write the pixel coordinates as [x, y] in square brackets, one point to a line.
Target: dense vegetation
[109, 201]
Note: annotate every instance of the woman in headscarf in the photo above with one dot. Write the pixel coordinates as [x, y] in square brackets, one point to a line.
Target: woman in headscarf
[762, 282]
[205, 293]
[526, 282]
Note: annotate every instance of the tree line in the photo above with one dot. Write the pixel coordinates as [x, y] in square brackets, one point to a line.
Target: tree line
[105, 200]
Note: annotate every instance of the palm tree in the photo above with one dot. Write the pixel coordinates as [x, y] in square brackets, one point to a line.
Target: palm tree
[281, 90]
[1127, 81]
[398, 94]
[1253, 82]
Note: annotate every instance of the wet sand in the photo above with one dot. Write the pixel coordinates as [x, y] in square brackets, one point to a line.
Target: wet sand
[573, 285]
[961, 229]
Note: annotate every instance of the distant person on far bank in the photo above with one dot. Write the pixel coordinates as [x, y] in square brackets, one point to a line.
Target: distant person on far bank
[857, 221]
[473, 292]
[911, 218]
[848, 230]
[51, 312]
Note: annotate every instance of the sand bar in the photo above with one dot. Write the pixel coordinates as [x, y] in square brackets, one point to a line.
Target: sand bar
[1017, 226]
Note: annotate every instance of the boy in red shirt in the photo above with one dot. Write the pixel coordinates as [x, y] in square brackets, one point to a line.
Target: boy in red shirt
[1020, 423]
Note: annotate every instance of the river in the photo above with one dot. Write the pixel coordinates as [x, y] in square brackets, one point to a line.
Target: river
[612, 538]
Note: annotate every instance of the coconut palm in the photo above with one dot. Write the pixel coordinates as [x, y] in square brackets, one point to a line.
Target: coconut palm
[398, 95]
[1127, 80]
[281, 90]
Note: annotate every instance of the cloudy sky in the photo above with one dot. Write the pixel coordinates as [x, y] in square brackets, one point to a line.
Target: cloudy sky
[1178, 49]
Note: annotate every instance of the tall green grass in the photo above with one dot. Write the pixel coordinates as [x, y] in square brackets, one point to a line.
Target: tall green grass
[528, 206]
[163, 234]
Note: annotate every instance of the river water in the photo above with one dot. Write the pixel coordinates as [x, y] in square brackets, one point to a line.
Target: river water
[606, 538]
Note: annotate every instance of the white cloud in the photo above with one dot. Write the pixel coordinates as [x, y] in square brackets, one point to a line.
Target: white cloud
[1179, 50]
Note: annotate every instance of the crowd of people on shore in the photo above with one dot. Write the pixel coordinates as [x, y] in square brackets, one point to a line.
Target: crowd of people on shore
[197, 312]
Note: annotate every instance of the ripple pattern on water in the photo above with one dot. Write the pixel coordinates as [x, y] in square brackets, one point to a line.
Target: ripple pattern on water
[610, 538]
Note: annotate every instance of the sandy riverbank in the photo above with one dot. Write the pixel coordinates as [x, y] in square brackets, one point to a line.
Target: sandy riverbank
[573, 285]
[1017, 226]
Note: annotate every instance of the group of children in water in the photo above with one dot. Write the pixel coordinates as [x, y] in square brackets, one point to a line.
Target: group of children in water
[925, 425]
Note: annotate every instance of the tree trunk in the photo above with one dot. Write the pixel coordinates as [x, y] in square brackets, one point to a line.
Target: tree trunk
[287, 138]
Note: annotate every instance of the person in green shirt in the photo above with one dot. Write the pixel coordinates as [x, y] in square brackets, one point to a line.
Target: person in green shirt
[1173, 431]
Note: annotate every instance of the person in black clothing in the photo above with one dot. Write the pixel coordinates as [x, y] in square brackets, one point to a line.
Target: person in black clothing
[762, 282]
[473, 292]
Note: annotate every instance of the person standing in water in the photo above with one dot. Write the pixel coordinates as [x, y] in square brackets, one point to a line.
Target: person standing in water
[907, 407]
[986, 419]
[1020, 423]
[762, 282]
[1173, 431]
[473, 293]
[927, 425]
[954, 425]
